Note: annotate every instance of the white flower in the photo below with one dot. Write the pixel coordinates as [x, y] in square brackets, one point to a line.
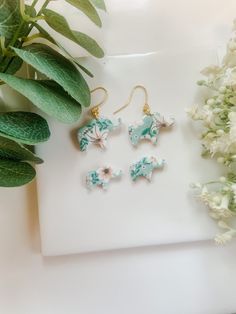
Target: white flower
[195, 185]
[229, 77]
[194, 112]
[230, 59]
[222, 179]
[223, 238]
[226, 236]
[218, 116]
[217, 203]
[232, 124]
[210, 102]
[208, 117]
[220, 145]
[233, 188]
[211, 71]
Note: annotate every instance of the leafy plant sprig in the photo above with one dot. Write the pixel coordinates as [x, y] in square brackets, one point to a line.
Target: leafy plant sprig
[63, 93]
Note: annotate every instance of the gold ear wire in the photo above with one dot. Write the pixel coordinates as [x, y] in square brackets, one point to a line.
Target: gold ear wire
[95, 111]
[146, 108]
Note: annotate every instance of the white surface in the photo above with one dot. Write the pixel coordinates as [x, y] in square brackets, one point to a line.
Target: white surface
[193, 278]
[75, 220]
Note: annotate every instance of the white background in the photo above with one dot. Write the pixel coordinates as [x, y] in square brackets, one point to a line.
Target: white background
[73, 219]
[187, 278]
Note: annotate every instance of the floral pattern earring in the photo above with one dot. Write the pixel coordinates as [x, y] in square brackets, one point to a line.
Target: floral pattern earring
[145, 166]
[149, 126]
[96, 131]
[102, 176]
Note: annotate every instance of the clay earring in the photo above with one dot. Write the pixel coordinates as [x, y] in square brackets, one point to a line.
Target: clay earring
[145, 166]
[102, 176]
[150, 124]
[96, 130]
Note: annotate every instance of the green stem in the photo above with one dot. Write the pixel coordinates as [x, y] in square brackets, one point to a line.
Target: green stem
[22, 7]
[39, 14]
[34, 3]
[29, 38]
[2, 45]
[15, 37]
[44, 6]
[37, 18]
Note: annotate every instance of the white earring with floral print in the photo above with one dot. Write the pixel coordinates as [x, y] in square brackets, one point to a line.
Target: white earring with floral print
[96, 130]
[102, 177]
[148, 127]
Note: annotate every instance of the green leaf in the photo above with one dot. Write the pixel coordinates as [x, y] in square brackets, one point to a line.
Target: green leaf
[25, 27]
[30, 11]
[24, 127]
[12, 150]
[58, 68]
[47, 36]
[10, 65]
[46, 95]
[13, 173]
[88, 9]
[85, 70]
[10, 17]
[59, 24]
[232, 100]
[89, 44]
[231, 177]
[100, 4]
[11, 21]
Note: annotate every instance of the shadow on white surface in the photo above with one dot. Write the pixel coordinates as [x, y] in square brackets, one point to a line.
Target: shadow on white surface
[33, 218]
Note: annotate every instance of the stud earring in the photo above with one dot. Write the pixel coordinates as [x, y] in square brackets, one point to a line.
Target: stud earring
[150, 124]
[96, 130]
[145, 166]
[102, 176]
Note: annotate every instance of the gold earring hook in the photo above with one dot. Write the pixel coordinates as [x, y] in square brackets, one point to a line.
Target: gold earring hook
[95, 111]
[146, 108]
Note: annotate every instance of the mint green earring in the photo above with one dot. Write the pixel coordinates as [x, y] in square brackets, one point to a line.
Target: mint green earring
[149, 126]
[145, 166]
[96, 131]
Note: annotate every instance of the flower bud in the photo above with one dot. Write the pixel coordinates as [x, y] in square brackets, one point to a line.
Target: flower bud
[211, 101]
[222, 179]
[222, 89]
[220, 98]
[220, 132]
[232, 45]
[220, 160]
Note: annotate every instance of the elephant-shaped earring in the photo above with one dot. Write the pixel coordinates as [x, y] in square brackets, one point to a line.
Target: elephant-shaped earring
[102, 177]
[150, 124]
[97, 129]
[145, 166]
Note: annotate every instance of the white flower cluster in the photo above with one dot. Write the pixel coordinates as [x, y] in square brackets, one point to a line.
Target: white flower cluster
[218, 118]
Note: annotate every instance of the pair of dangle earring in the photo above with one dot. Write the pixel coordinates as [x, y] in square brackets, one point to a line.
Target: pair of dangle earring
[149, 126]
[96, 131]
